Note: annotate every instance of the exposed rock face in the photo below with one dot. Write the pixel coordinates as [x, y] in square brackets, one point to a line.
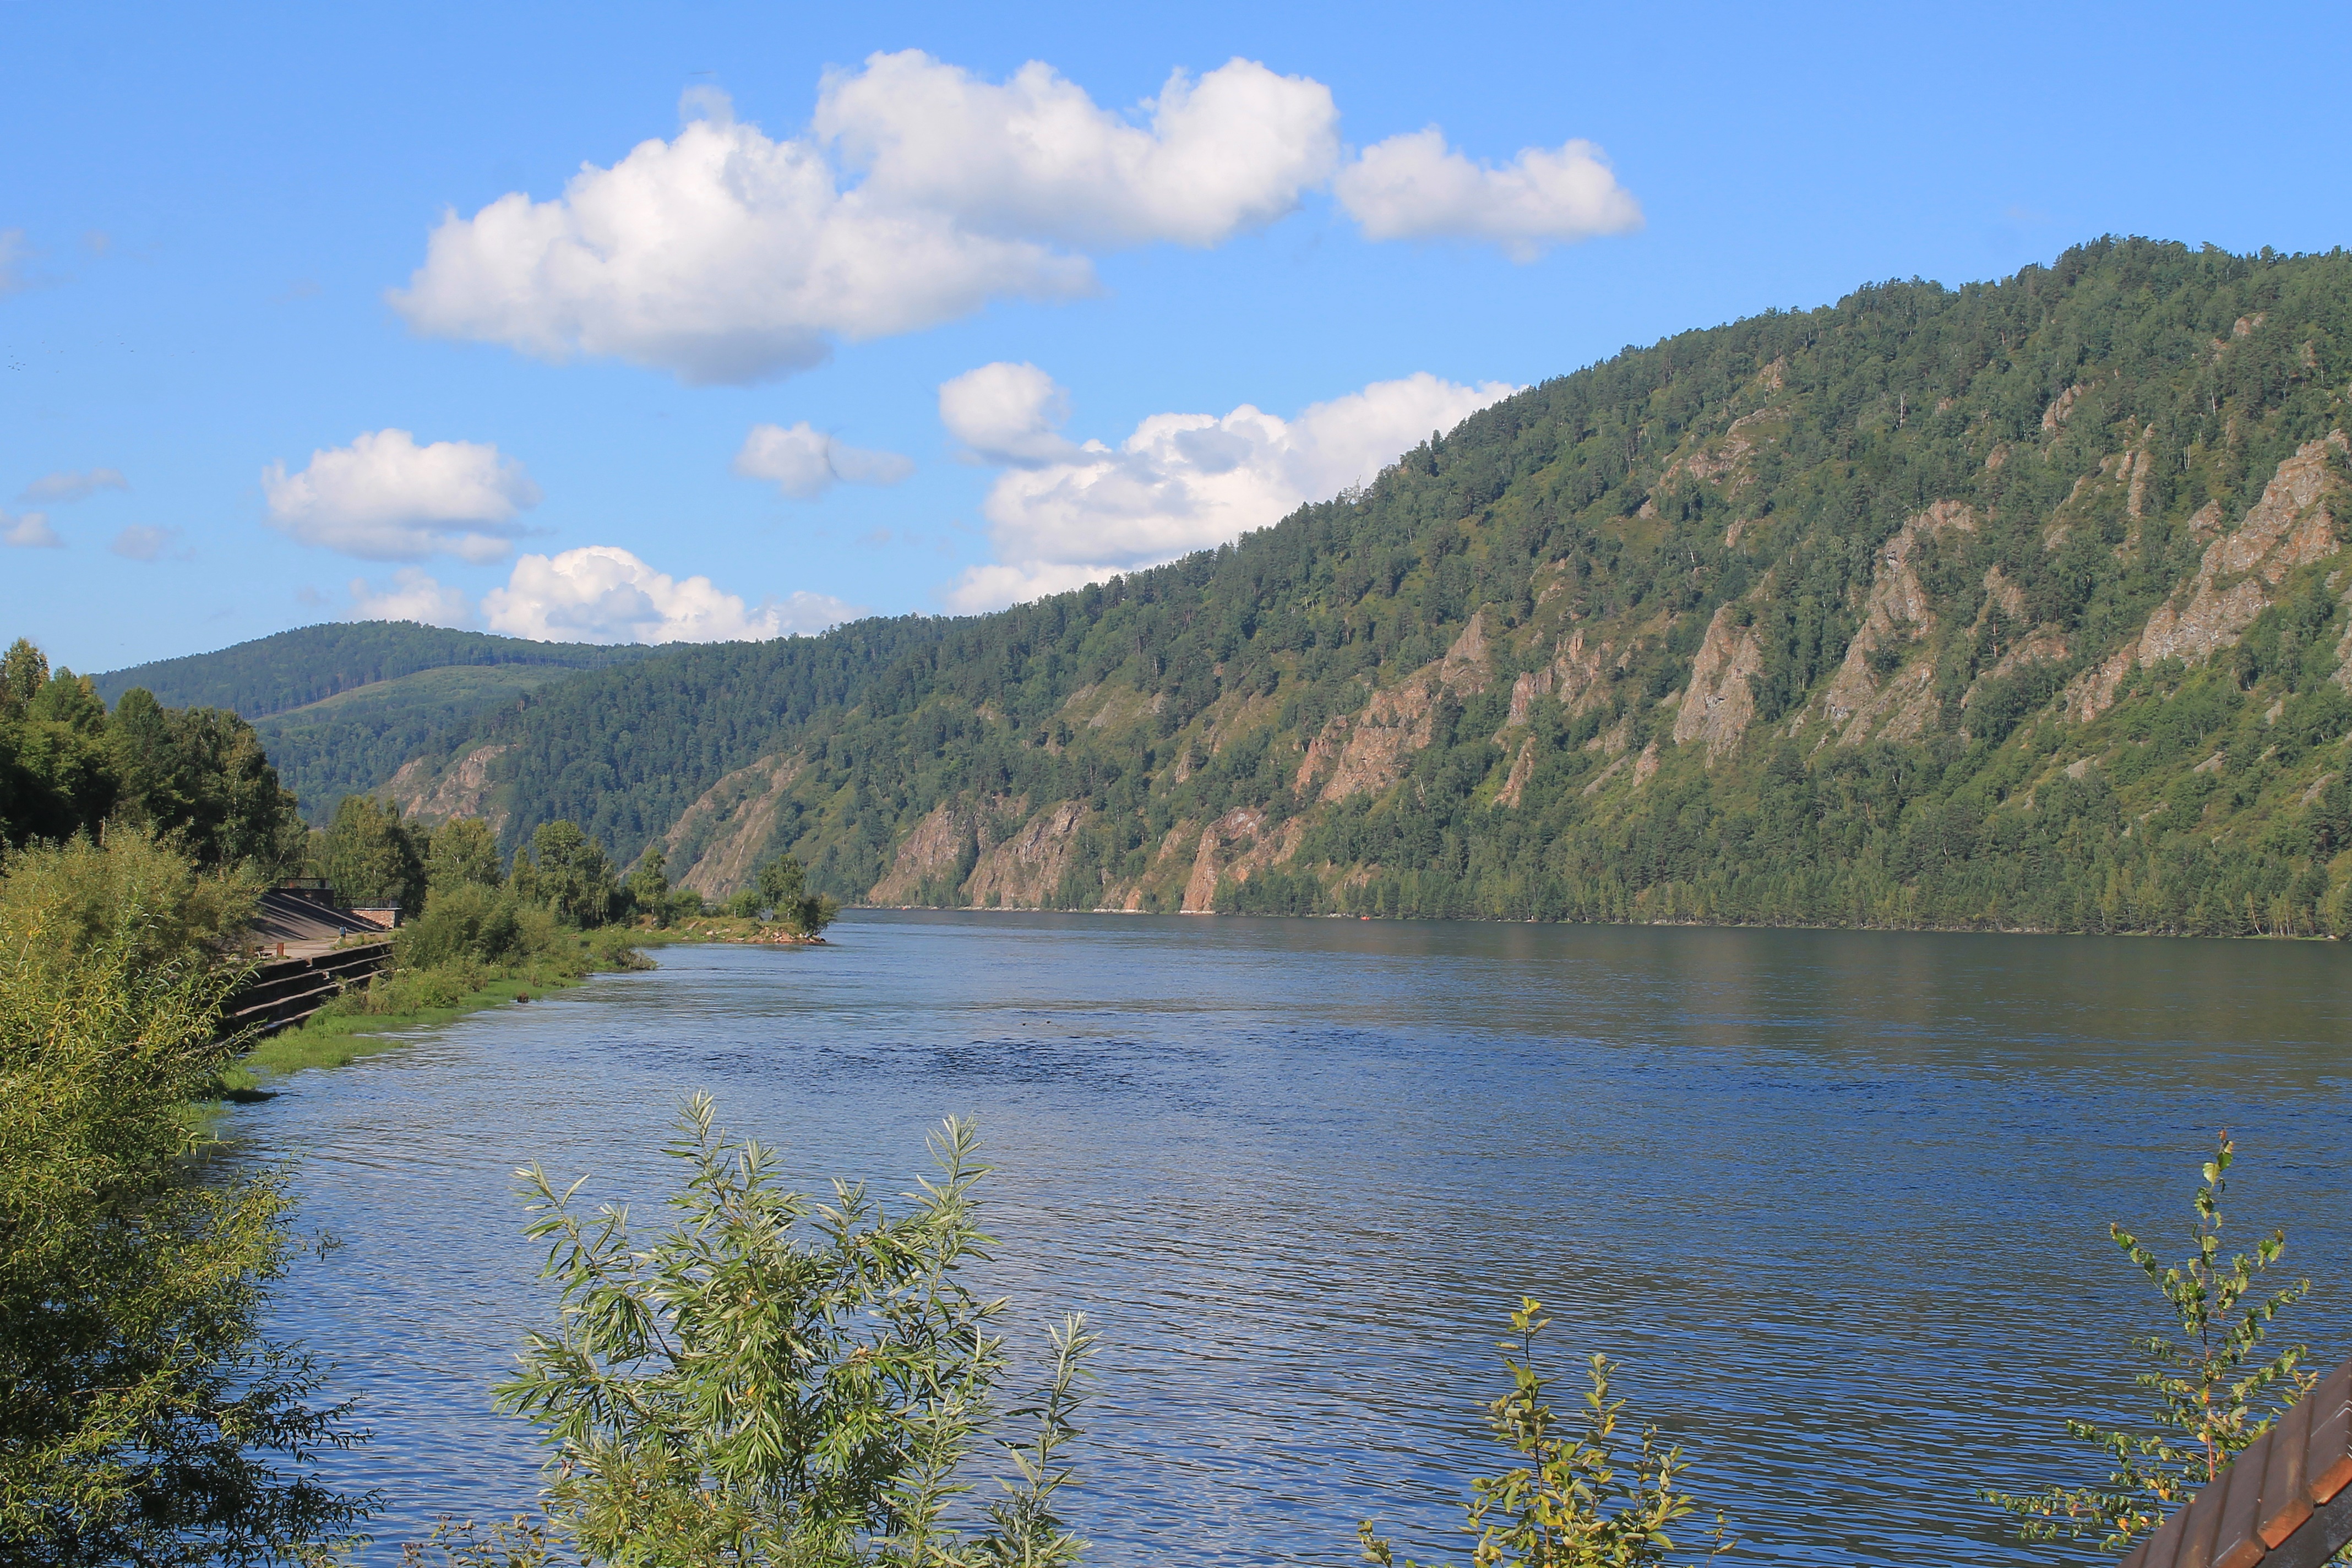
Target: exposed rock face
[933, 850]
[1523, 768]
[2237, 578]
[1574, 674]
[1371, 746]
[2058, 412]
[1896, 615]
[1394, 724]
[723, 832]
[1237, 830]
[1236, 845]
[1728, 453]
[1024, 871]
[1719, 706]
[462, 789]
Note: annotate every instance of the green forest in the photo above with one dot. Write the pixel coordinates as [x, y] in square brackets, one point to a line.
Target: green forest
[2015, 606]
[341, 706]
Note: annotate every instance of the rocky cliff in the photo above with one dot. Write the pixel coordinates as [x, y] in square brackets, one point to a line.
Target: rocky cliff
[2020, 605]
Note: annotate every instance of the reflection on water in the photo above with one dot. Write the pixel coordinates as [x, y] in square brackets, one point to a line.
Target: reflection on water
[1836, 1199]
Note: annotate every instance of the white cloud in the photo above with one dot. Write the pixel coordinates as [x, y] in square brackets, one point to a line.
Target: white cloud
[29, 532]
[140, 543]
[1036, 157]
[805, 463]
[1008, 414]
[412, 596]
[603, 593]
[13, 251]
[69, 486]
[721, 256]
[384, 498]
[724, 256]
[1189, 481]
[1415, 187]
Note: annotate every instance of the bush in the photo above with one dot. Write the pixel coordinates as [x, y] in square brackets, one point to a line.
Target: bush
[778, 1380]
[1571, 1502]
[142, 1418]
[468, 921]
[131, 893]
[2213, 1392]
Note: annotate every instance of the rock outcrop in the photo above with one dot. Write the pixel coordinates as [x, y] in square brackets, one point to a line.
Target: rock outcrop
[932, 855]
[461, 789]
[1861, 702]
[721, 837]
[1372, 747]
[1025, 870]
[2237, 578]
[1719, 705]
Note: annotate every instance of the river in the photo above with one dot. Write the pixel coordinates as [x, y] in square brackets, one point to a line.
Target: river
[1837, 1201]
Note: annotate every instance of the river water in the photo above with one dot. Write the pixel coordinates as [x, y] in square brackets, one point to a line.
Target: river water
[1837, 1201]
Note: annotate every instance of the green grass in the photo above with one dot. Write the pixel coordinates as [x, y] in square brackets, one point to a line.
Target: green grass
[383, 1016]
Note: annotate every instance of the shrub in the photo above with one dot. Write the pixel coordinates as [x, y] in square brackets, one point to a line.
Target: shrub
[779, 1380]
[142, 1418]
[2213, 1391]
[1572, 1503]
[465, 921]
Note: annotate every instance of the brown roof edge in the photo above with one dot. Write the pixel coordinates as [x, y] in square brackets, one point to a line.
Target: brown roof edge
[2285, 1501]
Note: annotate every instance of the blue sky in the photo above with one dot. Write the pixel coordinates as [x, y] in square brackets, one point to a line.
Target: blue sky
[228, 395]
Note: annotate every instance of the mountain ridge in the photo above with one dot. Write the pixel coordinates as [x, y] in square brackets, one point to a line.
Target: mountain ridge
[339, 706]
[2020, 605]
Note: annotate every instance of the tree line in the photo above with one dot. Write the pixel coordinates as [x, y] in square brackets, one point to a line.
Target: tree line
[2096, 417]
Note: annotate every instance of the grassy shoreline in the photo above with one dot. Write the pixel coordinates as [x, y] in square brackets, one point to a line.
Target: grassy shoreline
[368, 1023]
[381, 1019]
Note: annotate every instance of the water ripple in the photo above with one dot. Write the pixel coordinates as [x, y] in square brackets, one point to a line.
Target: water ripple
[1836, 1200]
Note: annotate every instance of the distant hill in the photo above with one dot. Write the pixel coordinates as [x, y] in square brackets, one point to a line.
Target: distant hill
[2020, 604]
[341, 706]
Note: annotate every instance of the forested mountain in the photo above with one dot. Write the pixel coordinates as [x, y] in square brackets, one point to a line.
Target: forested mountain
[339, 706]
[2019, 604]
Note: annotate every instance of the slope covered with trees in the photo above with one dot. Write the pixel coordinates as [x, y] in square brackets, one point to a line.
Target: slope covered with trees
[339, 706]
[2018, 604]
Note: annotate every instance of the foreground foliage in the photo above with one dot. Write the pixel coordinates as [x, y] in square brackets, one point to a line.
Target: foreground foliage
[2211, 1391]
[780, 1380]
[1572, 1501]
[142, 1418]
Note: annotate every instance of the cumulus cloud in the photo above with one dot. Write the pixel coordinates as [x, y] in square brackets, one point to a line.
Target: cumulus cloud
[67, 485]
[1036, 157]
[412, 596]
[1415, 187]
[384, 498]
[1188, 481]
[29, 532]
[1006, 413]
[604, 593]
[140, 542]
[726, 255]
[805, 463]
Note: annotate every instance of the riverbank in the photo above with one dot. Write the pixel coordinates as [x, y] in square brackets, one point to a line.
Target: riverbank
[367, 1022]
[740, 929]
